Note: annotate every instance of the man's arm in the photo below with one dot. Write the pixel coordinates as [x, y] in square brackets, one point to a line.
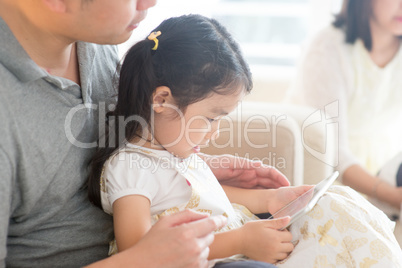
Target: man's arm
[6, 175]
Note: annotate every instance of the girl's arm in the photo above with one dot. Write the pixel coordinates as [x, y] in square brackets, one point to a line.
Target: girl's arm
[256, 200]
[132, 220]
[264, 200]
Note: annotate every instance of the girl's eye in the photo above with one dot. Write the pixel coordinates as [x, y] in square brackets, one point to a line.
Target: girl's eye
[211, 120]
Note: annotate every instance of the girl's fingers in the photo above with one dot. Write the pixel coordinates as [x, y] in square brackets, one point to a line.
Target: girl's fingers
[286, 236]
[276, 224]
[281, 256]
[287, 247]
[285, 250]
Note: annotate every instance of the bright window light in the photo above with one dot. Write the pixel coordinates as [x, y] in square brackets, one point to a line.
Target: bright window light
[270, 32]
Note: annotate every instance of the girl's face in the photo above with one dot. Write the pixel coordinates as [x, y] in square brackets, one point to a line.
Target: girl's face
[387, 15]
[184, 134]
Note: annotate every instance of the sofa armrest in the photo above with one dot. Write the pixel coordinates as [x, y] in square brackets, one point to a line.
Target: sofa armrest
[319, 139]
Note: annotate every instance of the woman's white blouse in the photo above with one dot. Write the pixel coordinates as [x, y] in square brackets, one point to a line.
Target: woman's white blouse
[369, 98]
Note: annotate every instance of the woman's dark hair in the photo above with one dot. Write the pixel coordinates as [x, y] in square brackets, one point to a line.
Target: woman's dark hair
[354, 20]
[196, 57]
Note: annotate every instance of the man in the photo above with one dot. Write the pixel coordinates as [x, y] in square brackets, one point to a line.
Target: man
[50, 66]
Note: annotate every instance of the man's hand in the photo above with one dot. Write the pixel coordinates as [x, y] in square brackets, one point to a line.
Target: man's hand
[179, 240]
[244, 173]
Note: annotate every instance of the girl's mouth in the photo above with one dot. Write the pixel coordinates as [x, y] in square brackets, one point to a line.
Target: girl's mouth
[196, 149]
[131, 27]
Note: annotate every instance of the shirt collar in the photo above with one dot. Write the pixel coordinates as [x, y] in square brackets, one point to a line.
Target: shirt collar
[14, 57]
[18, 62]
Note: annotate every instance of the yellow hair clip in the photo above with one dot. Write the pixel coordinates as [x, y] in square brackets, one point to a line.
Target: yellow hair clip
[153, 36]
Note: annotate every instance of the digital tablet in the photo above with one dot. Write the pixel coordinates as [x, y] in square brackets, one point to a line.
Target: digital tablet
[304, 203]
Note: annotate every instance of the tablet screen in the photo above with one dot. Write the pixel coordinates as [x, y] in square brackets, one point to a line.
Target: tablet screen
[304, 203]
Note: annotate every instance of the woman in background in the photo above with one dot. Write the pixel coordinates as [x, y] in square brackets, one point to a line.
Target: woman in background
[356, 63]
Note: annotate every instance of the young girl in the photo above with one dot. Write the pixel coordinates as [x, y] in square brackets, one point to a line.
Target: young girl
[175, 86]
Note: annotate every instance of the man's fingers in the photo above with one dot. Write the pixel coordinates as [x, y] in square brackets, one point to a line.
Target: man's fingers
[243, 163]
[275, 176]
[208, 225]
[204, 244]
[201, 223]
[186, 216]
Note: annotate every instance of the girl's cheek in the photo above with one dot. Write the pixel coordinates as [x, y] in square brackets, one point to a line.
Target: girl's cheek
[196, 135]
[200, 126]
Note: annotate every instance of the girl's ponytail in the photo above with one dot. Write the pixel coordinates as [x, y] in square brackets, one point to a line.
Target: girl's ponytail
[136, 84]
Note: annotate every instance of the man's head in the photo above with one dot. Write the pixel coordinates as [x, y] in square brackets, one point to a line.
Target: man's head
[95, 21]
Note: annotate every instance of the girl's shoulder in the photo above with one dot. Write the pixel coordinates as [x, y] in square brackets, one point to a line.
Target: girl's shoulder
[135, 158]
[125, 156]
[131, 150]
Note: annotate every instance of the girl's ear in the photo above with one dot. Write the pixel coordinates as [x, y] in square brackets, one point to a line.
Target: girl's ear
[160, 97]
[58, 6]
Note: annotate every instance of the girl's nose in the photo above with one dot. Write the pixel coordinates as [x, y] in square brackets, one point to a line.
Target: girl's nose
[214, 135]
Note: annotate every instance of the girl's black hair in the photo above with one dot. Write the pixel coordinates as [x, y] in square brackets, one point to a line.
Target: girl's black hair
[354, 20]
[196, 57]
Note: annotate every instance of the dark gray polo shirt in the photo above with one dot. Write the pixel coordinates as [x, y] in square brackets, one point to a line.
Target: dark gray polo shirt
[46, 141]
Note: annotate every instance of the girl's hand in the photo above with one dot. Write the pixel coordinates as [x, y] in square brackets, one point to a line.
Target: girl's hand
[283, 196]
[262, 240]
